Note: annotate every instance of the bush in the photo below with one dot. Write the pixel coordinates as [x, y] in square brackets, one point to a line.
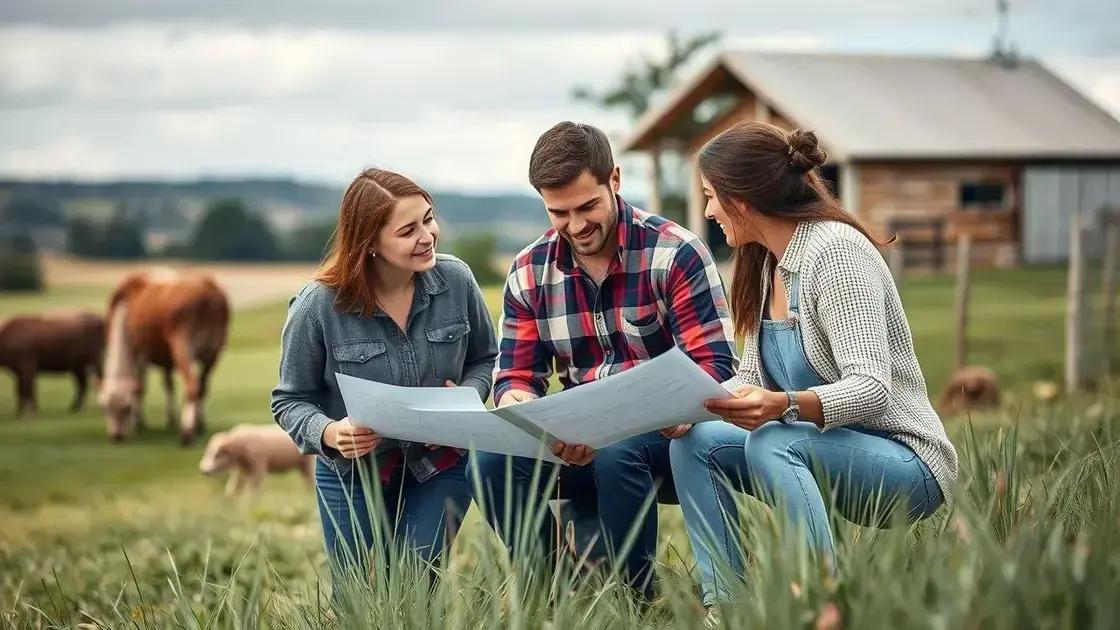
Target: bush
[120, 238]
[309, 242]
[19, 265]
[229, 230]
[477, 250]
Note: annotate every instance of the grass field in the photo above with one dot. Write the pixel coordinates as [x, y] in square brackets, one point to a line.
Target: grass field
[131, 534]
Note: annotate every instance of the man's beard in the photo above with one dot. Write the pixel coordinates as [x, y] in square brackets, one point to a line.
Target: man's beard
[604, 234]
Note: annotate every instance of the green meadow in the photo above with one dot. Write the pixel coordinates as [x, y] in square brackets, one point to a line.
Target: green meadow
[131, 535]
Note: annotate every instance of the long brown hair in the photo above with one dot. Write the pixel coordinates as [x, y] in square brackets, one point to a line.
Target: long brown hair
[366, 205]
[776, 173]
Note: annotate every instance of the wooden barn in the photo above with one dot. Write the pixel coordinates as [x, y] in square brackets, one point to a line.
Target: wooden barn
[926, 147]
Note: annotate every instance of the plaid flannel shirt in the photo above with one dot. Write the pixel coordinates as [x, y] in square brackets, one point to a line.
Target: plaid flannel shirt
[662, 289]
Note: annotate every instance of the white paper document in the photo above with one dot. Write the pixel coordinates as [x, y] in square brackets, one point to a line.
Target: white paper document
[448, 416]
[663, 392]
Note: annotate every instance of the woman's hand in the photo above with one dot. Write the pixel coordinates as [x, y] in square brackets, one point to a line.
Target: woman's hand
[751, 407]
[577, 454]
[352, 441]
[515, 396]
[674, 432]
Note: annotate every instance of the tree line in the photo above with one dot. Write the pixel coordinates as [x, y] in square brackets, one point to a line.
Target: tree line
[229, 230]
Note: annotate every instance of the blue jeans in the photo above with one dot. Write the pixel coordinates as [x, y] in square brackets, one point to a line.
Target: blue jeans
[786, 465]
[618, 484]
[424, 517]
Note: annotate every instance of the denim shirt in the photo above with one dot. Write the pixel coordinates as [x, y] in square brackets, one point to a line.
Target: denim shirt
[449, 335]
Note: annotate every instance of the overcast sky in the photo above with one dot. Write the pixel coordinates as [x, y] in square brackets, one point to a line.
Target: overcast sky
[452, 93]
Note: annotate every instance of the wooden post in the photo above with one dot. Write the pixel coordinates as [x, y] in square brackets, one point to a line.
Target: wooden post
[964, 281]
[654, 204]
[695, 220]
[939, 245]
[1075, 295]
[1111, 219]
[896, 261]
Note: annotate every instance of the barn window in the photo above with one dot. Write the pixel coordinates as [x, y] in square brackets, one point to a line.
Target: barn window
[983, 195]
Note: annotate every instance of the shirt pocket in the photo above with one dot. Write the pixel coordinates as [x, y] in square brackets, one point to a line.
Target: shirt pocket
[365, 358]
[643, 330]
[448, 343]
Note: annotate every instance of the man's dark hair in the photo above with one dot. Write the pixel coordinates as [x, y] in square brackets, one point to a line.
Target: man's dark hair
[567, 150]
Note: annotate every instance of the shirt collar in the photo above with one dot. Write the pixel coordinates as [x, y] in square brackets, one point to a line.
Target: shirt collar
[791, 259]
[432, 282]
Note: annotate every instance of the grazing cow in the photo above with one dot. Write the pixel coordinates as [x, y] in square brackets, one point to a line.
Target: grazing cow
[54, 342]
[176, 321]
[252, 450]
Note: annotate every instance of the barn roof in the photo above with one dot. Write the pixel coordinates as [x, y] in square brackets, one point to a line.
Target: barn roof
[897, 107]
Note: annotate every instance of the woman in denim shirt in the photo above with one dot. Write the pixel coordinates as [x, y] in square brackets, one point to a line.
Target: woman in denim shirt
[384, 307]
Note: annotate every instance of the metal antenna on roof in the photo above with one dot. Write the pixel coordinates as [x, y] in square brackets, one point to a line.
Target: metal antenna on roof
[1003, 51]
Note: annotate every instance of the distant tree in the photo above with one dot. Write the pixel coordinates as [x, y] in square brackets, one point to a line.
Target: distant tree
[19, 264]
[119, 238]
[477, 250]
[122, 237]
[82, 237]
[642, 80]
[26, 212]
[229, 230]
[309, 242]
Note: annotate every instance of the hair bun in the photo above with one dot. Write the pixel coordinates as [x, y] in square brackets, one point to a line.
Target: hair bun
[804, 153]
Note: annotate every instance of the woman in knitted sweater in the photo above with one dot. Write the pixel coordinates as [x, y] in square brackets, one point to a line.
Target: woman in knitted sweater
[829, 392]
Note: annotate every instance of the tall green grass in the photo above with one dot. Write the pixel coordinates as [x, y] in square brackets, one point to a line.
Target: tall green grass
[1033, 541]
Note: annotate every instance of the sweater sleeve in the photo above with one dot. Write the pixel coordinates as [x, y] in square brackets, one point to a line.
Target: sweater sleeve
[851, 305]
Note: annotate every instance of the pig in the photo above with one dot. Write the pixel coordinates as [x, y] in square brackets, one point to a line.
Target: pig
[252, 450]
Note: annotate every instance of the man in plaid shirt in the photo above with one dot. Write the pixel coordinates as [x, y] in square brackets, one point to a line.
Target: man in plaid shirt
[608, 287]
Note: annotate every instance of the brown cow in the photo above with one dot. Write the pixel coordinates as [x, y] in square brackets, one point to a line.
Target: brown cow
[53, 342]
[176, 321]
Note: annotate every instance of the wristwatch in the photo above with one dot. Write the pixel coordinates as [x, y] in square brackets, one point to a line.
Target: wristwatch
[793, 411]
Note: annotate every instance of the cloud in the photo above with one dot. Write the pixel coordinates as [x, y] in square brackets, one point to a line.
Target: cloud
[1096, 77]
[478, 15]
[59, 155]
[454, 97]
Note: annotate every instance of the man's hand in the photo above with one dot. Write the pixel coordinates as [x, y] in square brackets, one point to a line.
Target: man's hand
[576, 454]
[353, 442]
[751, 408]
[673, 433]
[514, 396]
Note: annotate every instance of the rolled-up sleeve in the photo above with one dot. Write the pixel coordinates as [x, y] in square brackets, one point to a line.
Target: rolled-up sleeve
[851, 304]
[296, 399]
[524, 360]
